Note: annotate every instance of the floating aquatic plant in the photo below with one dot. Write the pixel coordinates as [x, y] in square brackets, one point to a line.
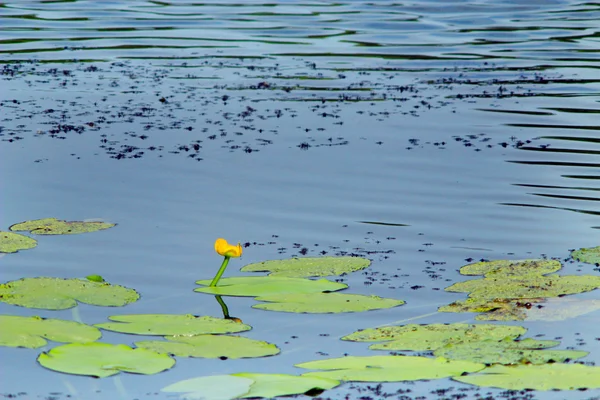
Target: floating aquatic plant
[12, 242]
[590, 255]
[309, 266]
[268, 285]
[321, 303]
[53, 226]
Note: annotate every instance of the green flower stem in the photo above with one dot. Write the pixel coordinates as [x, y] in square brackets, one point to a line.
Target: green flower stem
[223, 307]
[220, 272]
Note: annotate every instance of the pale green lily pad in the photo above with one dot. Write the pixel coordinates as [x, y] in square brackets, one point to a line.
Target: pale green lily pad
[267, 285]
[211, 346]
[537, 377]
[102, 359]
[309, 266]
[590, 255]
[430, 337]
[215, 387]
[498, 268]
[32, 332]
[171, 324]
[60, 294]
[53, 226]
[389, 368]
[560, 309]
[321, 303]
[509, 352]
[275, 385]
[12, 242]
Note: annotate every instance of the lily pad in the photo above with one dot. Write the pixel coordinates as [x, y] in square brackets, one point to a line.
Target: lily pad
[102, 360]
[499, 268]
[590, 255]
[537, 377]
[171, 324]
[560, 309]
[494, 309]
[211, 346]
[430, 337]
[266, 285]
[60, 294]
[275, 385]
[13, 242]
[389, 368]
[53, 226]
[309, 266]
[32, 332]
[321, 303]
[215, 387]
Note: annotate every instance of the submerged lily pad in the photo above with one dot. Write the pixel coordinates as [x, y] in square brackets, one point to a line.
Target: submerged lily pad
[560, 309]
[267, 285]
[60, 294]
[389, 368]
[590, 255]
[102, 360]
[53, 226]
[498, 268]
[171, 324]
[537, 377]
[215, 387]
[430, 337]
[309, 266]
[211, 346]
[32, 332]
[320, 303]
[12, 242]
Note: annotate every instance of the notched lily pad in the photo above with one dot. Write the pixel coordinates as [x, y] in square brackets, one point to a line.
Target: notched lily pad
[211, 346]
[498, 268]
[53, 226]
[12, 242]
[102, 360]
[60, 294]
[32, 332]
[321, 303]
[590, 255]
[267, 285]
[171, 324]
[309, 266]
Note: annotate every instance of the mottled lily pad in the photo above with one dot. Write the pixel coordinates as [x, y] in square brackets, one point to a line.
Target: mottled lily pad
[321, 303]
[498, 268]
[309, 266]
[32, 332]
[211, 346]
[389, 368]
[53, 226]
[102, 360]
[60, 294]
[537, 377]
[267, 285]
[12, 242]
[430, 337]
[171, 324]
[590, 255]
[494, 309]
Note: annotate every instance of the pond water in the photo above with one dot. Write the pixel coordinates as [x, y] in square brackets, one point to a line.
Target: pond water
[419, 134]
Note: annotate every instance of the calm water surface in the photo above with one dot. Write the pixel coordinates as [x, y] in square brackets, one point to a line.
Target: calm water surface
[418, 134]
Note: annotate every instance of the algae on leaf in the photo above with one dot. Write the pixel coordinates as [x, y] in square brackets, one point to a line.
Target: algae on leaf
[321, 303]
[53, 226]
[12, 242]
[499, 268]
[309, 266]
[267, 285]
[590, 255]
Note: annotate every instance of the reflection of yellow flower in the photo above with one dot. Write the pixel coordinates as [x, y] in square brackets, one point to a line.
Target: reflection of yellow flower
[227, 250]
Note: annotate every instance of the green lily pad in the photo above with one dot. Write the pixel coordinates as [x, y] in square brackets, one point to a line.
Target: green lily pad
[321, 303]
[508, 352]
[494, 309]
[309, 266]
[32, 332]
[430, 337]
[267, 285]
[389, 368]
[537, 377]
[590, 255]
[560, 309]
[215, 387]
[275, 385]
[13, 242]
[171, 324]
[60, 294]
[102, 360]
[499, 268]
[53, 226]
[211, 346]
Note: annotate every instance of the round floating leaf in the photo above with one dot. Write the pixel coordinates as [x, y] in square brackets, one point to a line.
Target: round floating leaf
[498, 268]
[309, 266]
[560, 309]
[321, 303]
[389, 368]
[102, 359]
[216, 387]
[275, 385]
[590, 255]
[31, 332]
[60, 294]
[537, 377]
[13, 242]
[266, 285]
[430, 337]
[53, 226]
[171, 324]
[211, 346]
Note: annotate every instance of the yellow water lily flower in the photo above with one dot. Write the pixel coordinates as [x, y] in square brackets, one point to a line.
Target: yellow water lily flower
[227, 250]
